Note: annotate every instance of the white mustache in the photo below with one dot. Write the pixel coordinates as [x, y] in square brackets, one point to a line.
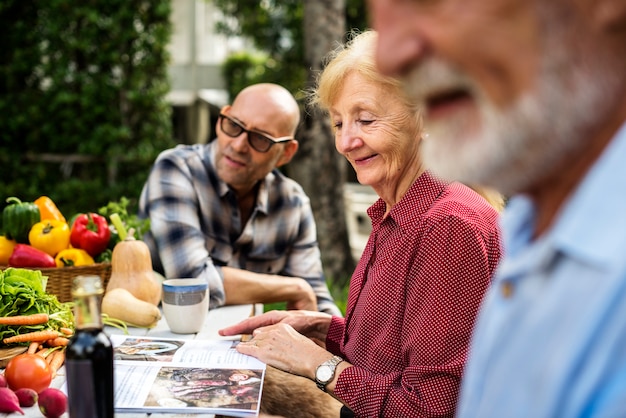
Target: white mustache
[433, 78]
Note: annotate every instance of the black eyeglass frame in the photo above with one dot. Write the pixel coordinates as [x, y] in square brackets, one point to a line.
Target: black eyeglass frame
[265, 138]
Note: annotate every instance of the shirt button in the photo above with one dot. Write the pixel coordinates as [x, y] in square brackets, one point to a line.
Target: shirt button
[507, 289]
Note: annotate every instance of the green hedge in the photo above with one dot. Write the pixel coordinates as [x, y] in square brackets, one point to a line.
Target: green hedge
[82, 98]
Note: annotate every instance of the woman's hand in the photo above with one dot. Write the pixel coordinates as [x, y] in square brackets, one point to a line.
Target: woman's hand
[311, 324]
[283, 347]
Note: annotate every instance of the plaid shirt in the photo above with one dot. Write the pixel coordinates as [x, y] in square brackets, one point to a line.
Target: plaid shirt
[195, 225]
[413, 300]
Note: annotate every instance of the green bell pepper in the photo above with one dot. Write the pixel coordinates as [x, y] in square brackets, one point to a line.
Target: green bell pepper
[17, 219]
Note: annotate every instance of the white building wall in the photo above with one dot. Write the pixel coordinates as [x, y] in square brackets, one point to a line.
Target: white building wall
[197, 52]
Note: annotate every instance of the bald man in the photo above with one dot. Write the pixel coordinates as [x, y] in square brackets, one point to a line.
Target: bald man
[222, 211]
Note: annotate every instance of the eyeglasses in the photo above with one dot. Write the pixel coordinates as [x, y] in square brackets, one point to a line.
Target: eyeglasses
[257, 140]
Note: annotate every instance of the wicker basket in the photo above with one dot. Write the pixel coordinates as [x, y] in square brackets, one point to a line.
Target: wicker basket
[60, 279]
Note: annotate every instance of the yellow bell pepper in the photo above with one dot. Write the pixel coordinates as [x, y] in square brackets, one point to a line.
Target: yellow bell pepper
[6, 249]
[48, 209]
[50, 236]
[73, 257]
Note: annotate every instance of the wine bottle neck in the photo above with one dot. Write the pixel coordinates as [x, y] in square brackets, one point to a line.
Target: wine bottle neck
[87, 311]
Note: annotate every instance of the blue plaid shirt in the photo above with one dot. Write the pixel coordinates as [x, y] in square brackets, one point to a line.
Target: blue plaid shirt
[196, 227]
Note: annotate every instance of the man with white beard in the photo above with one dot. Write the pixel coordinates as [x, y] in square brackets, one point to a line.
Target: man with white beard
[529, 97]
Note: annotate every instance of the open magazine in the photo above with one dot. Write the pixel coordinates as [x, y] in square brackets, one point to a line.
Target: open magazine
[185, 376]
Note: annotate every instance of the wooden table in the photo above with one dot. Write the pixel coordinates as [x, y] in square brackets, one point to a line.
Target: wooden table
[217, 319]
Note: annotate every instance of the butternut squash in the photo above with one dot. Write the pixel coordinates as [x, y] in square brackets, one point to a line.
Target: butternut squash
[131, 269]
[120, 304]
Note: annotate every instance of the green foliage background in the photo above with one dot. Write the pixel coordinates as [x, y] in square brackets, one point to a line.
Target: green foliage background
[86, 79]
[276, 29]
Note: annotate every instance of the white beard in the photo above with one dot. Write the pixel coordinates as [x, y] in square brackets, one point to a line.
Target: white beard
[513, 149]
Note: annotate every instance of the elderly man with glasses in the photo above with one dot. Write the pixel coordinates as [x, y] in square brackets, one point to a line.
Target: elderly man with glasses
[222, 211]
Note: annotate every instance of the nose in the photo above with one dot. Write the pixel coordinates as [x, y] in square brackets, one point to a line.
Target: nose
[347, 138]
[400, 44]
[240, 143]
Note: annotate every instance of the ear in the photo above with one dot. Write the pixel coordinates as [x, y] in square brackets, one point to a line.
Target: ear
[224, 110]
[289, 151]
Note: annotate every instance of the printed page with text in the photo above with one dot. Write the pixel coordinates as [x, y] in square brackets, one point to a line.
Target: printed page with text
[185, 376]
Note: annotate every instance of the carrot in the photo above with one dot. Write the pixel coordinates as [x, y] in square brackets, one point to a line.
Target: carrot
[66, 331]
[32, 348]
[57, 361]
[43, 351]
[32, 336]
[58, 342]
[46, 352]
[34, 319]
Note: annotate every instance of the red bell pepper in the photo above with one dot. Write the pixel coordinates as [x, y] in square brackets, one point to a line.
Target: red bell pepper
[24, 255]
[90, 232]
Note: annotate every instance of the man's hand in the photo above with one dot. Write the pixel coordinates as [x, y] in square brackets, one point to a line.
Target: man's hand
[303, 296]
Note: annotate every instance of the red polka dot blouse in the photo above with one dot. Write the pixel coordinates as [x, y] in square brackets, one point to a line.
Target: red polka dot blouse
[413, 299]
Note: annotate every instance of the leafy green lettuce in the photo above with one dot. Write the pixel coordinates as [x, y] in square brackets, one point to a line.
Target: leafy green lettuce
[22, 292]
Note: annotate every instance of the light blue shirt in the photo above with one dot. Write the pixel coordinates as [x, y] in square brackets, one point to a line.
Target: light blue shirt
[550, 340]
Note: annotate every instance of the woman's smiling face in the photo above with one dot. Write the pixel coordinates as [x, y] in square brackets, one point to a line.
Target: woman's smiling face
[377, 134]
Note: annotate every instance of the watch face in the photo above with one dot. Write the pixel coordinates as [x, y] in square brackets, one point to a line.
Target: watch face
[324, 374]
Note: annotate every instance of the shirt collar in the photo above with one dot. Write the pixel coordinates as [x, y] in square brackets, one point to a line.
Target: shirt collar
[591, 225]
[415, 202]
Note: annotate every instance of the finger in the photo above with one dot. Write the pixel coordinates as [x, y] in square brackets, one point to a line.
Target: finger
[247, 347]
[243, 327]
[247, 325]
[257, 332]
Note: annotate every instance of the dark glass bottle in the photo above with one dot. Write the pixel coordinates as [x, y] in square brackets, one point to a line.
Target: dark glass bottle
[89, 356]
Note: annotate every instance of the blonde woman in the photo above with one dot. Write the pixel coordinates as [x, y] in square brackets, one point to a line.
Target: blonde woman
[414, 295]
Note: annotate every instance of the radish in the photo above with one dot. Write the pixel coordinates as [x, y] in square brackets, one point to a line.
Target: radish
[3, 381]
[26, 396]
[52, 403]
[9, 401]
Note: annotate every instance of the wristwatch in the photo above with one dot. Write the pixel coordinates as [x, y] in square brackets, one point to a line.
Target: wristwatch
[325, 372]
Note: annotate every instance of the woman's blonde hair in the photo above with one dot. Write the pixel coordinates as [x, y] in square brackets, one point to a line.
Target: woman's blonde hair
[492, 196]
[357, 55]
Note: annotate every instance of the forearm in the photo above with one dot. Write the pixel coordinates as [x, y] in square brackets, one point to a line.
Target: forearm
[242, 286]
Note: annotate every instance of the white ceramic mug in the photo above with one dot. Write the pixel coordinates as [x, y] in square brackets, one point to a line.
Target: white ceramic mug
[185, 304]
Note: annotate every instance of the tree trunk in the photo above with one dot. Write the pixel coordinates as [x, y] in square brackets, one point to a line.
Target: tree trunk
[317, 165]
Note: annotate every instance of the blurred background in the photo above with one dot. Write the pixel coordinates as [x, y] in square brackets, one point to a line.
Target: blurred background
[92, 91]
